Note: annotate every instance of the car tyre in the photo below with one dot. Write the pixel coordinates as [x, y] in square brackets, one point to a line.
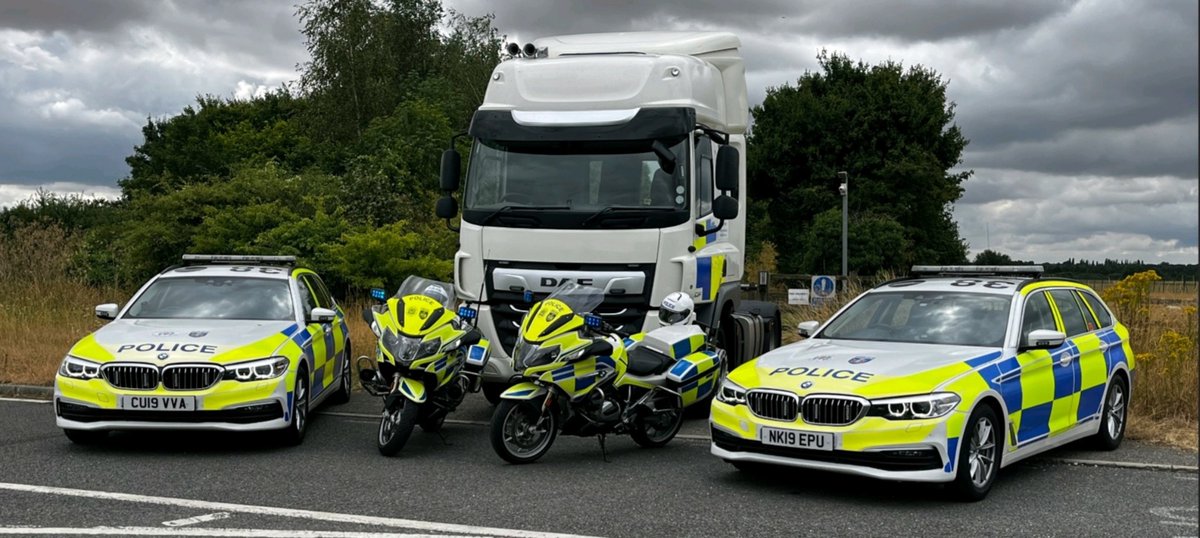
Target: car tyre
[293, 433]
[86, 437]
[342, 395]
[1115, 415]
[979, 453]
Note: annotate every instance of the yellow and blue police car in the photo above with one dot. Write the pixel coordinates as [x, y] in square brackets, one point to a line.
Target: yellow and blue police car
[218, 343]
[945, 376]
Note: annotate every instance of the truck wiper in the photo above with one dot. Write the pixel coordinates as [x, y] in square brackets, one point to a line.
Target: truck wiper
[508, 208]
[615, 208]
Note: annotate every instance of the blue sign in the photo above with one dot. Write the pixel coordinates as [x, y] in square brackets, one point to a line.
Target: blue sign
[823, 286]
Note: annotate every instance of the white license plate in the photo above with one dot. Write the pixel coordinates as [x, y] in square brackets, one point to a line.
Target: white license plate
[157, 403]
[796, 439]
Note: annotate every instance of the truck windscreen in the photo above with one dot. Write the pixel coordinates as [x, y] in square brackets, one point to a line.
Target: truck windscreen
[577, 184]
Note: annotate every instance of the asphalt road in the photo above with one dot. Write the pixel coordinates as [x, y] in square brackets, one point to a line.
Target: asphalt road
[337, 483]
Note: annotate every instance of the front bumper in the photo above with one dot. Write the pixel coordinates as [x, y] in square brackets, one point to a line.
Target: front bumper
[917, 451]
[227, 406]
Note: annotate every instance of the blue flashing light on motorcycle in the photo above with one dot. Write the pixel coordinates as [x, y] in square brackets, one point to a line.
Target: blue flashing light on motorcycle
[467, 313]
[379, 294]
[593, 321]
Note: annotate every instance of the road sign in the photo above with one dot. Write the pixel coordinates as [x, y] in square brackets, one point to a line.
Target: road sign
[823, 286]
[798, 296]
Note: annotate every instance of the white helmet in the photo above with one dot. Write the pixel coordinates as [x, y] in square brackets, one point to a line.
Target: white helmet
[435, 292]
[677, 309]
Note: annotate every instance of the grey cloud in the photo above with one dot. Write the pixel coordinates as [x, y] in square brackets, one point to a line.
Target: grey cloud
[72, 15]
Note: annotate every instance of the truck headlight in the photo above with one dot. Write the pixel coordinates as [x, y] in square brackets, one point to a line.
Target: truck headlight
[258, 369]
[78, 368]
[730, 393]
[917, 407]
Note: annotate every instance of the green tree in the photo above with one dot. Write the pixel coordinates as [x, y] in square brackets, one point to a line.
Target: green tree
[992, 257]
[209, 140]
[876, 242]
[889, 127]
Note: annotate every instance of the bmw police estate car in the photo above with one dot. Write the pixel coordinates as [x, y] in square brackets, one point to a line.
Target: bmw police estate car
[946, 376]
[219, 343]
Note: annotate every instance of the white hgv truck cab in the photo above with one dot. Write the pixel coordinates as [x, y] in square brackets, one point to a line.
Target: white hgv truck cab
[617, 161]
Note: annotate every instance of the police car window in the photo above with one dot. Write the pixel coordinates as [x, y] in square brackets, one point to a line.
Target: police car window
[1037, 315]
[1102, 315]
[197, 297]
[955, 318]
[306, 296]
[315, 284]
[1072, 317]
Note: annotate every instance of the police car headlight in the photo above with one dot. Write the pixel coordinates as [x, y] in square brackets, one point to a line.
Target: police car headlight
[78, 368]
[918, 407]
[730, 393]
[257, 370]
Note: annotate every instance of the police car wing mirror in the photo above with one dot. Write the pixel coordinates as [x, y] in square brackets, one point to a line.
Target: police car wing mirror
[1043, 339]
[321, 315]
[807, 328]
[107, 311]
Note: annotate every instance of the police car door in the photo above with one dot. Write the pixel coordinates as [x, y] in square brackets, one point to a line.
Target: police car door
[1045, 385]
[1088, 367]
[320, 346]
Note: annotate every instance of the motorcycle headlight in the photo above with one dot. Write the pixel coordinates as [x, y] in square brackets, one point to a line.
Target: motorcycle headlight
[258, 369]
[730, 393]
[78, 368]
[917, 407]
[427, 348]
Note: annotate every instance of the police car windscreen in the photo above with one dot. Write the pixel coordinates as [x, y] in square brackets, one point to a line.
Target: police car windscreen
[966, 319]
[214, 298]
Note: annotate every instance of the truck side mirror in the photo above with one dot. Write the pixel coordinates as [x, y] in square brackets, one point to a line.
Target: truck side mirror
[451, 165]
[446, 208]
[727, 170]
[725, 207]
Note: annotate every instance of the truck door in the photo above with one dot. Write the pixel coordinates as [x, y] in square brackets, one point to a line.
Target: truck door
[710, 262]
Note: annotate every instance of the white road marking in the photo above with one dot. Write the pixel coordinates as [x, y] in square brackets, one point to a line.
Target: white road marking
[26, 400]
[198, 519]
[282, 512]
[251, 533]
[1176, 515]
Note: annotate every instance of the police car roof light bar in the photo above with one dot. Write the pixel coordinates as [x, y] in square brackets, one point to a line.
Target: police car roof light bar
[232, 258]
[1033, 271]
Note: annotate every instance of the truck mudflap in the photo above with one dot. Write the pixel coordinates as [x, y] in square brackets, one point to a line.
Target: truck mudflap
[695, 376]
[523, 391]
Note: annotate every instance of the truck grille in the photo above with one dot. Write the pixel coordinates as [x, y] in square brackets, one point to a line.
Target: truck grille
[131, 376]
[773, 405]
[832, 410]
[190, 376]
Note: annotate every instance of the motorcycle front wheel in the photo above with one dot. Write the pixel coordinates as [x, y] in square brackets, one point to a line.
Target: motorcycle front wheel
[396, 426]
[520, 434]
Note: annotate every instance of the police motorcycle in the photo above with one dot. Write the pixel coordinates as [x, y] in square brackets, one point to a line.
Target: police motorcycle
[429, 356]
[578, 375]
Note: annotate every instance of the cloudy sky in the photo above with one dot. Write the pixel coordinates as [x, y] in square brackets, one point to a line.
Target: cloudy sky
[1082, 115]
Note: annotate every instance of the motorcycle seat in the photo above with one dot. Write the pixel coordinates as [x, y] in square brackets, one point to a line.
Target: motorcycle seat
[644, 361]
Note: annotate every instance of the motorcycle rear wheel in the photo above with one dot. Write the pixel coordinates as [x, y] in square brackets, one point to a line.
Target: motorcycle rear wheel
[654, 431]
[519, 433]
[396, 426]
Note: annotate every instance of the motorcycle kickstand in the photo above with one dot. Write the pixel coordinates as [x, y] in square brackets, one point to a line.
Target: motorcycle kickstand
[603, 450]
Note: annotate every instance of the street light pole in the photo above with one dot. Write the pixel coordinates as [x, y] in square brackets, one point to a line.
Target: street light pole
[844, 189]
